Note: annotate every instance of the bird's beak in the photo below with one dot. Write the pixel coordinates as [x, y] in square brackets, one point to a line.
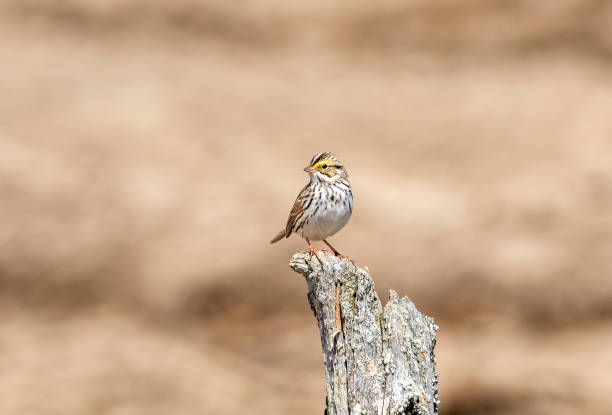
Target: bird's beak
[309, 169]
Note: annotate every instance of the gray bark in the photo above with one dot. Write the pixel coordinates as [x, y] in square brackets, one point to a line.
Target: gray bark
[377, 361]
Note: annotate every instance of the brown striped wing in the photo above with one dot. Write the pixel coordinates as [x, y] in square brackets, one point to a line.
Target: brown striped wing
[301, 203]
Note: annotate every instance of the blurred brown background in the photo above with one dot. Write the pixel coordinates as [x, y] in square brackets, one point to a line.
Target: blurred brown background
[150, 150]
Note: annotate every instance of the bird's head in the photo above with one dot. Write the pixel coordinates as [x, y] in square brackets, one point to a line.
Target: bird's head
[325, 167]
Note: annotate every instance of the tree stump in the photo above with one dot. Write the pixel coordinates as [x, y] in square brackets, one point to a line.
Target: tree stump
[378, 361]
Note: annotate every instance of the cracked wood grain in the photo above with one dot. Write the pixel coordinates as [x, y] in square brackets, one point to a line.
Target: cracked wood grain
[377, 360]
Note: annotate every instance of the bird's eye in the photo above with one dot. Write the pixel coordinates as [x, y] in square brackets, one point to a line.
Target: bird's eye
[324, 166]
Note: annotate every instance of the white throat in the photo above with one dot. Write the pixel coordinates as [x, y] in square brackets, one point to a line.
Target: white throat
[318, 177]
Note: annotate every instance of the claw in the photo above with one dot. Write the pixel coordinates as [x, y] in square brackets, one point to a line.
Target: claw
[314, 252]
[346, 257]
[338, 254]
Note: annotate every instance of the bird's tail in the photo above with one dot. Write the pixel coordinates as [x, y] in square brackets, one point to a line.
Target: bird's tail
[279, 236]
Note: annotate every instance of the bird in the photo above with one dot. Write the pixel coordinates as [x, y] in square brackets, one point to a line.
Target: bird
[323, 206]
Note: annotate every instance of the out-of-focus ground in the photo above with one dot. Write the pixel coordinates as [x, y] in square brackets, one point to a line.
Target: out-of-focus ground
[150, 150]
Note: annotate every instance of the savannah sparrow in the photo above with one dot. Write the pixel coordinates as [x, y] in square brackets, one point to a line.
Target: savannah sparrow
[324, 205]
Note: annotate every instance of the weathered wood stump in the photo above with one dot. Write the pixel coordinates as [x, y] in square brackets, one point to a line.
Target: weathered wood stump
[377, 360]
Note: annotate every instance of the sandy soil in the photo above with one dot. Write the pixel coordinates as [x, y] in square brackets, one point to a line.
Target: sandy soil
[149, 151]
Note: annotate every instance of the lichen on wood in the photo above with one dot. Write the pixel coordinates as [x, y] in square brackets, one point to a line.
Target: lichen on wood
[378, 360]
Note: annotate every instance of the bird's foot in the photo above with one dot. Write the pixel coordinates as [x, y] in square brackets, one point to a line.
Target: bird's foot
[339, 255]
[314, 252]
[336, 253]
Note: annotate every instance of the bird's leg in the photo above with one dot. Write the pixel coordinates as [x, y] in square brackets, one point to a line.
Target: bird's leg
[332, 248]
[313, 251]
[336, 252]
